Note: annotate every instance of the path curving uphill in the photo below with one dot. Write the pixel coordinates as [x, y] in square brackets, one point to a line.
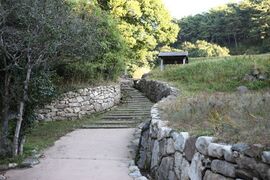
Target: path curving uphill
[134, 109]
[96, 152]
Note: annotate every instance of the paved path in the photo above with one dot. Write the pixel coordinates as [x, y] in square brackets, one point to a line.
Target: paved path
[88, 154]
[98, 152]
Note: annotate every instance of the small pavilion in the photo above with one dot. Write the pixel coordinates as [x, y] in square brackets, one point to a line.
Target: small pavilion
[172, 58]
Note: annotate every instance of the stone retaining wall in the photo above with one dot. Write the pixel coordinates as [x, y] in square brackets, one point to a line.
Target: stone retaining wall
[73, 105]
[155, 90]
[171, 155]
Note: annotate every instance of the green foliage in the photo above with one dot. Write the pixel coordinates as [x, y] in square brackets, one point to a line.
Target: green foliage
[42, 89]
[110, 52]
[37, 37]
[204, 49]
[144, 25]
[169, 49]
[215, 74]
[243, 27]
[89, 73]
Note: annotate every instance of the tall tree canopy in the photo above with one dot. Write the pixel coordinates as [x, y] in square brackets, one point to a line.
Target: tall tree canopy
[144, 24]
[243, 27]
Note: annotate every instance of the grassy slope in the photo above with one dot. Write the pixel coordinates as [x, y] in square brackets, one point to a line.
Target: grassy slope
[209, 104]
[220, 74]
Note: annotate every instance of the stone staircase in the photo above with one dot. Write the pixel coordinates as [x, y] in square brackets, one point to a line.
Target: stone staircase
[134, 109]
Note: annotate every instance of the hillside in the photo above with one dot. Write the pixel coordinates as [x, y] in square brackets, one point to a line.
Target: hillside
[228, 98]
[217, 74]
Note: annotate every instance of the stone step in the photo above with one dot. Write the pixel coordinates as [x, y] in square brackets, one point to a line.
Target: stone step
[137, 99]
[122, 109]
[131, 114]
[134, 109]
[146, 110]
[123, 122]
[138, 107]
[126, 108]
[107, 126]
[123, 117]
[121, 113]
[134, 93]
[138, 102]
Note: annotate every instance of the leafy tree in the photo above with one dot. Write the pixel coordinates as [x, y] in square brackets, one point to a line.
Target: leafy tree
[38, 36]
[261, 21]
[105, 60]
[204, 49]
[242, 27]
[144, 25]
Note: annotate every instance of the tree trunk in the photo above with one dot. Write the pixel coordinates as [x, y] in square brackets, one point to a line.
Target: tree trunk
[21, 146]
[4, 114]
[21, 110]
[229, 39]
[235, 40]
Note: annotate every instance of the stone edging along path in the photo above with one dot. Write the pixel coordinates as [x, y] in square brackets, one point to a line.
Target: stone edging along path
[170, 155]
[75, 104]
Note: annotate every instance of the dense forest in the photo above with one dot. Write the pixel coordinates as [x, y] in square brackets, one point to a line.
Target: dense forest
[242, 27]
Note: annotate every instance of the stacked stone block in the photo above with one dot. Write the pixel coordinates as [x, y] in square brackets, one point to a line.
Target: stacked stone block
[170, 155]
[74, 105]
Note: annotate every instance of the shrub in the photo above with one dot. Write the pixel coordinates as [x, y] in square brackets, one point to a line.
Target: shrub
[204, 49]
[106, 61]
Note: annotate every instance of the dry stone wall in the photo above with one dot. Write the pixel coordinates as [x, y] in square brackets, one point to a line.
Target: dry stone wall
[73, 105]
[171, 155]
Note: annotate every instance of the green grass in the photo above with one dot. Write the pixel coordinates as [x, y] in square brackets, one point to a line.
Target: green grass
[229, 116]
[209, 103]
[215, 74]
[44, 134]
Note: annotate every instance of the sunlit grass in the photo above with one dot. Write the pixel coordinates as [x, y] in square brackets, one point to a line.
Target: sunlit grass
[210, 104]
[215, 74]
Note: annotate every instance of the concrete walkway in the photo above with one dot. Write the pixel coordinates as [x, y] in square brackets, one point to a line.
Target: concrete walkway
[85, 154]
